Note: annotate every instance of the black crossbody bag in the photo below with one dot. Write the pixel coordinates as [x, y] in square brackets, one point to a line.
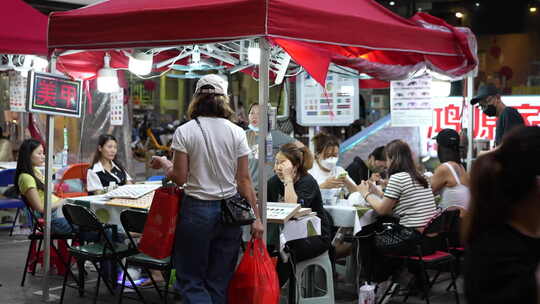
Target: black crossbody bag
[236, 210]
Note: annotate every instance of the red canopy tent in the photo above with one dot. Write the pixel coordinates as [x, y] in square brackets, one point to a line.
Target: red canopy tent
[23, 30]
[358, 34]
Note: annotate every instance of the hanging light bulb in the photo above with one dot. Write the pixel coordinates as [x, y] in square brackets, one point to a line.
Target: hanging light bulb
[533, 9]
[254, 52]
[440, 88]
[140, 63]
[107, 80]
[459, 15]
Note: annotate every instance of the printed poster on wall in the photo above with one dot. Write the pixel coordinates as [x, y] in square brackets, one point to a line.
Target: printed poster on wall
[410, 102]
[335, 105]
[117, 108]
[17, 92]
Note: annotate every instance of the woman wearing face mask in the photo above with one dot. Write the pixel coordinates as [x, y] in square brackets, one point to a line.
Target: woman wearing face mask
[106, 170]
[330, 177]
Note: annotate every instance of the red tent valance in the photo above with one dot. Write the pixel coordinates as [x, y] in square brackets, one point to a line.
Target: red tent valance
[357, 33]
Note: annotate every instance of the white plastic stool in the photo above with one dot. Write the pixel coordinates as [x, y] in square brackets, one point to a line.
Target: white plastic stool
[323, 261]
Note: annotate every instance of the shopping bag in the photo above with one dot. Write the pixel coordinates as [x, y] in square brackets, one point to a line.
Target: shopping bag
[255, 280]
[158, 236]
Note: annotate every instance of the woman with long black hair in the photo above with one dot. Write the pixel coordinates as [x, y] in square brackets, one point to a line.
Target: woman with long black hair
[31, 184]
[106, 169]
[408, 194]
[502, 228]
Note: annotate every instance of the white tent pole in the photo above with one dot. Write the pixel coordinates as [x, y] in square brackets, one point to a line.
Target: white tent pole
[49, 143]
[470, 127]
[263, 126]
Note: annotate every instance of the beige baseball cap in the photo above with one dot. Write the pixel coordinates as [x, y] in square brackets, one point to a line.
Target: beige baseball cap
[219, 85]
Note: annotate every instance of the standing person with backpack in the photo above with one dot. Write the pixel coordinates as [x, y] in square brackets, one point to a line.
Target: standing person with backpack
[206, 250]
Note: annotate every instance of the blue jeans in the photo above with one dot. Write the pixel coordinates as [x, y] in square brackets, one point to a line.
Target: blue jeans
[205, 252]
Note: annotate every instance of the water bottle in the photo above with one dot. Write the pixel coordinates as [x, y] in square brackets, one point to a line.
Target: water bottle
[366, 294]
[64, 154]
[268, 141]
[269, 147]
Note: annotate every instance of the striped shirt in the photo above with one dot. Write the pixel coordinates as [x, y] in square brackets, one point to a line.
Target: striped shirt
[416, 204]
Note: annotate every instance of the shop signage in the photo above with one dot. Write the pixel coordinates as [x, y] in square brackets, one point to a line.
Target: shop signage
[335, 105]
[447, 113]
[54, 94]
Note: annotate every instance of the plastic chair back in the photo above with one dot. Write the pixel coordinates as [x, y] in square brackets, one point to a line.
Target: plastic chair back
[82, 217]
[75, 171]
[7, 177]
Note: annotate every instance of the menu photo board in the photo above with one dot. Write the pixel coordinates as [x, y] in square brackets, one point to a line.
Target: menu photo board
[410, 102]
[54, 95]
[334, 105]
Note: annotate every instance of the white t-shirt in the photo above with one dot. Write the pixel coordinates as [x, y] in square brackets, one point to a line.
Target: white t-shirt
[226, 141]
[416, 204]
[321, 176]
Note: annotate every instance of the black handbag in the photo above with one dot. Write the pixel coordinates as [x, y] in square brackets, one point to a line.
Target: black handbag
[307, 248]
[236, 210]
[393, 238]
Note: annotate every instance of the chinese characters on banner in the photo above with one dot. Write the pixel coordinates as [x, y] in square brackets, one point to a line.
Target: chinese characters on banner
[117, 108]
[447, 114]
[335, 105]
[410, 102]
[17, 92]
[55, 95]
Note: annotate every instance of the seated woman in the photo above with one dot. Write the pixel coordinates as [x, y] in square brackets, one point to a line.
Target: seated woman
[30, 183]
[450, 178]
[293, 184]
[330, 177]
[106, 169]
[408, 194]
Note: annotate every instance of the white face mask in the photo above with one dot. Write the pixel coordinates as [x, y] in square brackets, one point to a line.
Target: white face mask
[329, 163]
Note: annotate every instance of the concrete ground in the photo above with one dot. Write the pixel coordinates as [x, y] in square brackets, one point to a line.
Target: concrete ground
[13, 253]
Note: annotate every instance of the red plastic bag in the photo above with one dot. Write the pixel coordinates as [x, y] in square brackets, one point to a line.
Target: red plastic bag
[158, 236]
[255, 280]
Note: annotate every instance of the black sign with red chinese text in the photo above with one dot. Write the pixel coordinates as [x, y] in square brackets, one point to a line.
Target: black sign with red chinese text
[54, 94]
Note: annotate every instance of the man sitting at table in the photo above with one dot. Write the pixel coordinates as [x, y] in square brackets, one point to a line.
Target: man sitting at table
[371, 169]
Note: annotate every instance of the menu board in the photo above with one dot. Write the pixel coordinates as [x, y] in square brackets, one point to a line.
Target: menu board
[410, 102]
[334, 105]
[17, 92]
[117, 108]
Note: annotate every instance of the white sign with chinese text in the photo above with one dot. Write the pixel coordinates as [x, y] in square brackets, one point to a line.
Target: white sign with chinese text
[334, 105]
[117, 108]
[410, 102]
[447, 113]
[17, 92]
